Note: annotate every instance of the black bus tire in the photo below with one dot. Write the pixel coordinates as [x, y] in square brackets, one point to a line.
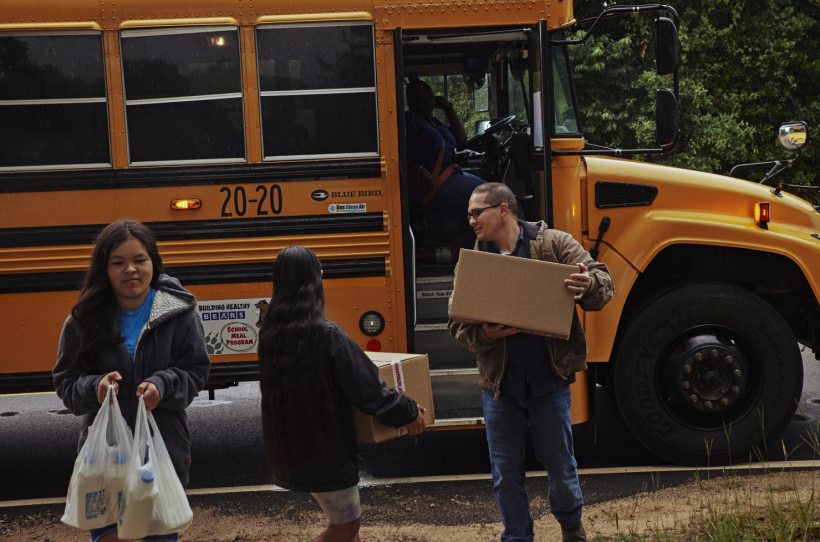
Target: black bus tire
[707, 373]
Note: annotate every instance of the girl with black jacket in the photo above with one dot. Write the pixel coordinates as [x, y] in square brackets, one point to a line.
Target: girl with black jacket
[310, 374]
[136, 329]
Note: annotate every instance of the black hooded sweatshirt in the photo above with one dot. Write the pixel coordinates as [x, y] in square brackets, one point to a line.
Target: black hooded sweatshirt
[355, 382]
[170, 353]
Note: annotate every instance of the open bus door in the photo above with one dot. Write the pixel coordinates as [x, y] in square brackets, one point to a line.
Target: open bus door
[541, 128]
[428, 283]
[409, 244]
[540, 68]
[431, 245]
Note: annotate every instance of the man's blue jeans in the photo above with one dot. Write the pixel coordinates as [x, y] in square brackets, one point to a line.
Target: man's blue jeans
[549, 419]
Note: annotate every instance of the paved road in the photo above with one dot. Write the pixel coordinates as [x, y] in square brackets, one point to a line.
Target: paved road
[38, 443]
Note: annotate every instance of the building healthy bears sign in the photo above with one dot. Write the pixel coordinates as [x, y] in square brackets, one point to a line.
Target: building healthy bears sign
[232, 325]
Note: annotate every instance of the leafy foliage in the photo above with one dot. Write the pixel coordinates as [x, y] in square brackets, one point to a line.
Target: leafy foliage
[746, 67]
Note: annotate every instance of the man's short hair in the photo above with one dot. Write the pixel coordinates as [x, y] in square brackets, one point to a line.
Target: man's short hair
[497, 193]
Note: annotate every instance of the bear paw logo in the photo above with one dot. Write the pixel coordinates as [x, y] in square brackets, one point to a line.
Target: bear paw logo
[213, 344]
[263, 310]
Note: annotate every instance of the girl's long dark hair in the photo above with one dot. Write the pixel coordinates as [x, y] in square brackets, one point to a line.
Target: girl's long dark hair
[96, 309]
[298, 422]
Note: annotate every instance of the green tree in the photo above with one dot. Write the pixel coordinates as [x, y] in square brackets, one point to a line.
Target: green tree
[746, 66]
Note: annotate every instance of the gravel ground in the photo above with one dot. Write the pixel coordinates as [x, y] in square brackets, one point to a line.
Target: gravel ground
[420, 510]
[466, 511]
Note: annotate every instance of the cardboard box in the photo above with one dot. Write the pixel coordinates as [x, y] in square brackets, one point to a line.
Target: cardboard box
[518, 292]
[410, 373]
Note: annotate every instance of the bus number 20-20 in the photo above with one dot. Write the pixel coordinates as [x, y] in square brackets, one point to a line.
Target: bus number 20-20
[262, 201]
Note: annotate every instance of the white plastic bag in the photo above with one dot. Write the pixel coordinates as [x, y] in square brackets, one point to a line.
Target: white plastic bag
[153, 501]
[99, 471]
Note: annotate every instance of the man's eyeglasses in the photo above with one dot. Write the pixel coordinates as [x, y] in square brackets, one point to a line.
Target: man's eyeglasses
[475, 213]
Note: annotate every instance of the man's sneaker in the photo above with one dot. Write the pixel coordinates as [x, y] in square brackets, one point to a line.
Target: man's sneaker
[574, 534]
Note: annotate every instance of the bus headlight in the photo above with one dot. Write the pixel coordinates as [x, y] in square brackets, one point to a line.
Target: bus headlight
[371, 323]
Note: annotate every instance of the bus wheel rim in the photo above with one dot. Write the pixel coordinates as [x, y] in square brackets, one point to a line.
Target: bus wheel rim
[708, 376]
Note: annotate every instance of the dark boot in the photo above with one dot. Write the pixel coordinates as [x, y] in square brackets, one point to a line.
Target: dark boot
[574, 534]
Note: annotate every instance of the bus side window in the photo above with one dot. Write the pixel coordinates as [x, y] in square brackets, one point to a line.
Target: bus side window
[566, 119]
[317, 87]
[183, 95]
[53, 109]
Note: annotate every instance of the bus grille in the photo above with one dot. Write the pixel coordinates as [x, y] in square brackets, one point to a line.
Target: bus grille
[611, 194]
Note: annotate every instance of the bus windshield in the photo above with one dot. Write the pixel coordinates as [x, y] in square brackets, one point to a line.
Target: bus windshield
[518, 93]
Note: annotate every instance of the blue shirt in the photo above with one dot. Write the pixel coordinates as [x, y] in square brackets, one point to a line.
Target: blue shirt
[424, 143]
[529, 371]
[132, 322]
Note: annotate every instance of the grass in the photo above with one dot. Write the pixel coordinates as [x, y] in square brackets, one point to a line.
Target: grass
[730, 509]
[729, 515]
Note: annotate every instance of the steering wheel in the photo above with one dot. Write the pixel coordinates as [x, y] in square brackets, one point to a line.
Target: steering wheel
[485, 141]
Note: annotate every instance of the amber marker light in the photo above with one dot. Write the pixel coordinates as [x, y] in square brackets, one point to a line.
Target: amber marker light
[762, 214]
[183, 204]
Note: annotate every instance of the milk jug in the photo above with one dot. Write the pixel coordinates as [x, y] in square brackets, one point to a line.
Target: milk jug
[137, 506]
[116, 482]
[89, 493]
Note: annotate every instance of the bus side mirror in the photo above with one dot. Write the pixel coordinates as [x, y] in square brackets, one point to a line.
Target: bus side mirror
[667, 115]
[667, 46]
[794, 135]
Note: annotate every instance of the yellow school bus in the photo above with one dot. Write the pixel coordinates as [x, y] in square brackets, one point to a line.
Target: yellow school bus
[234, 129]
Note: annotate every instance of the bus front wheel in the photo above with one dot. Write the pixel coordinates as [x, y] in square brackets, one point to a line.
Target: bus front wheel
[706, 374]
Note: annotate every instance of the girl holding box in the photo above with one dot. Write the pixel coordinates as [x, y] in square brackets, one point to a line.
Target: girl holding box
[310, 374]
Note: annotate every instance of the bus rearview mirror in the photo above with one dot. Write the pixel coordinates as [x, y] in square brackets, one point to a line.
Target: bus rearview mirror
[667, 115]
[481, 99]
[793, 135]
[667, 46]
